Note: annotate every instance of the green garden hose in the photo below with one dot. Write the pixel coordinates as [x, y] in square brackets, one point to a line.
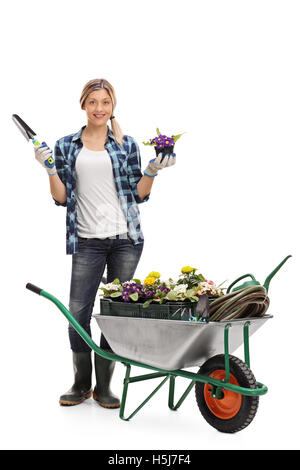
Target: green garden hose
[245, 303]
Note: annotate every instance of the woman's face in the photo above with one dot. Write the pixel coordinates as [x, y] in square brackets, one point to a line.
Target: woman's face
[98, 107]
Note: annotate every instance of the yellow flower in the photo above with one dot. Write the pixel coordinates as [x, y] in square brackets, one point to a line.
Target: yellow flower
[187, 269]
[154, 274]
[149, 281]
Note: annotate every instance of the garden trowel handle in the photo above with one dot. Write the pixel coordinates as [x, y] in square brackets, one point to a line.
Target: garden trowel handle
[202, 307]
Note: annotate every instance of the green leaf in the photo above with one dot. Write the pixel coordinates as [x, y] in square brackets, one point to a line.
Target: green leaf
[106, 291]
[137, 281]
[116, 281]
[147, 303]
[116, 294]
[148, 143]
[171, 295]
[157, 131]
[190, 292]
[134, 296]
[176, 137]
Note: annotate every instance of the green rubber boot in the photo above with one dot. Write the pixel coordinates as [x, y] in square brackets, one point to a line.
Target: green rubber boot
[81, 389]
[102, 394]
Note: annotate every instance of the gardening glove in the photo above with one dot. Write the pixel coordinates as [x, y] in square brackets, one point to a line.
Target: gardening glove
[156, 164]
[44, 154]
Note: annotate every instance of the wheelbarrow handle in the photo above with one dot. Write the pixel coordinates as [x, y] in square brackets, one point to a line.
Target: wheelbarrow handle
[33, 288]
[76, 325]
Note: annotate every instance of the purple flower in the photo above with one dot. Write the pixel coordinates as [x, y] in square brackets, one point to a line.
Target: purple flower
[162, 141]
[130, 288]
[163, 288]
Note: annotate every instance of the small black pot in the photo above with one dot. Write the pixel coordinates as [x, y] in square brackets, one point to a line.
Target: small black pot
[164, 150]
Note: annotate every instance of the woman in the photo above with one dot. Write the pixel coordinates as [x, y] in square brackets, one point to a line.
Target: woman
[96, 174]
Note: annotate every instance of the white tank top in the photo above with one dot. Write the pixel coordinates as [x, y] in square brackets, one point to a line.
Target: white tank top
[99, 214]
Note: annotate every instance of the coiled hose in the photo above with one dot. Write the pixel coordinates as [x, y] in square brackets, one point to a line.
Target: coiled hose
[249, 302]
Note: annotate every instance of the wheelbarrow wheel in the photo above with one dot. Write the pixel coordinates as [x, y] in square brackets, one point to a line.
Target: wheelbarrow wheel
[229, 412]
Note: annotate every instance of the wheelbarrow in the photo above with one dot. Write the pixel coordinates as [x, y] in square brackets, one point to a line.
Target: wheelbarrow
[227, 393]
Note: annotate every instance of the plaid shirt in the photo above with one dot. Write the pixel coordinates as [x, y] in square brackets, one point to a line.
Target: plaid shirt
[126, 165]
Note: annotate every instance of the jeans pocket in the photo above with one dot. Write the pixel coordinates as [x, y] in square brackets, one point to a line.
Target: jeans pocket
[138, 246]
[131, 241]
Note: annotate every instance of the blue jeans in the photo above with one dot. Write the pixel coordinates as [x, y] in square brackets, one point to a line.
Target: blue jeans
[121, 257]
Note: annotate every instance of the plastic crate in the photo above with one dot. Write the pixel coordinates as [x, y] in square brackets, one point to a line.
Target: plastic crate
[164, 311]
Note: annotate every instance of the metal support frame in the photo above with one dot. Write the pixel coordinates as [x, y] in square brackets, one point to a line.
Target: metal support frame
[246, 343]
[226, 351]
[139, 378]
[226, 347]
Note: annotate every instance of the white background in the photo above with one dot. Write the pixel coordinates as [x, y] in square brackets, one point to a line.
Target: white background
[225, 72]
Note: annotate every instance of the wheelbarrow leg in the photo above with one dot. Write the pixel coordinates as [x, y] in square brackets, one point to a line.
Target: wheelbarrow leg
[139, 378]
[124, 394]
[172, 390]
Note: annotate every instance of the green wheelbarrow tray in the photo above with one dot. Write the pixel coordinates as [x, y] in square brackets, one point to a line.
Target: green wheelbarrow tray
[175, 344]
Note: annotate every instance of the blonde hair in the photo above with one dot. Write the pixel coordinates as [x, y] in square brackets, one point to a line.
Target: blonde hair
[98, 84]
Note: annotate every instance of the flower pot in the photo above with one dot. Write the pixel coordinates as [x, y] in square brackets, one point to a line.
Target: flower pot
[169, 310]
[164, 150]
[165, 311]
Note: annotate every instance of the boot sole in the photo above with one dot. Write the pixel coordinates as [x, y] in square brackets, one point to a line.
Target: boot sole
[71, 403]
[102, 404]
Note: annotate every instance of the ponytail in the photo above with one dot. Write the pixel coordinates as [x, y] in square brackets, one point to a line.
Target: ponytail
[117, 131]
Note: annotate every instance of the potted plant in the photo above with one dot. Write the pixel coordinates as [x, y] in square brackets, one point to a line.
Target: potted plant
[162, 143]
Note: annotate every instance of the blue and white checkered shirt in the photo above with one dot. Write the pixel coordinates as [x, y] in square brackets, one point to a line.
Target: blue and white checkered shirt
[126, 165]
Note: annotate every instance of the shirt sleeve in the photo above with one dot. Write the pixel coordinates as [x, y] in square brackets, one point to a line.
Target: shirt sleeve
[134, 171]
[60, 168]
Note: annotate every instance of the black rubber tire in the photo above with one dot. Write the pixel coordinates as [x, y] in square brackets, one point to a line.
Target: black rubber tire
[249, 405]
